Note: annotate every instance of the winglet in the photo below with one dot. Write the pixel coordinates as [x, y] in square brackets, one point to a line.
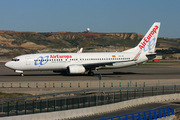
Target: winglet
[80, 51]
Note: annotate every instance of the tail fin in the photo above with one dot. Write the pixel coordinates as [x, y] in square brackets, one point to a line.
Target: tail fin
[148, 43]
[80, 51]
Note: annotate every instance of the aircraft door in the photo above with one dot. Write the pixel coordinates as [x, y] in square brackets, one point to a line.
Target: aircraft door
[64, 59]
[28, 62]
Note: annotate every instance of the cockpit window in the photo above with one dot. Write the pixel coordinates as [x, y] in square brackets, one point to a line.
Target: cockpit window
[15, 59]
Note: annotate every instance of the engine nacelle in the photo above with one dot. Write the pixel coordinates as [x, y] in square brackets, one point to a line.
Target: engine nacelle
[76, 69]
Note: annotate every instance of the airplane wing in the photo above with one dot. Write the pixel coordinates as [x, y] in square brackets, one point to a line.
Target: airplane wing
[93, 66]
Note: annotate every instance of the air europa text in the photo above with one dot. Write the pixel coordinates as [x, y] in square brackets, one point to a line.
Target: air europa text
[146, 39]
[61, 56]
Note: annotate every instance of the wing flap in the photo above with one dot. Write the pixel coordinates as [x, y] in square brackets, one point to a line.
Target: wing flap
[93, 66]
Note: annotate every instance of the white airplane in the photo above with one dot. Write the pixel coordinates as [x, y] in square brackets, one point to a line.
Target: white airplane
[79, 63]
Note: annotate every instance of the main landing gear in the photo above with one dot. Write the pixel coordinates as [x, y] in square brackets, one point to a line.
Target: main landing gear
[90, 73]
[22, 74]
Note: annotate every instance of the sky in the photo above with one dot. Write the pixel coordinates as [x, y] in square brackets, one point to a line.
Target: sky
[102, 16]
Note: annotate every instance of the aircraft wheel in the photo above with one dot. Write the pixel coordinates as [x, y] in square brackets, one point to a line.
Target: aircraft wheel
[90, 73]
[22, 74]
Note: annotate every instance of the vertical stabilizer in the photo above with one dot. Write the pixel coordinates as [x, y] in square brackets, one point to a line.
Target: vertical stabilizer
[148, 43]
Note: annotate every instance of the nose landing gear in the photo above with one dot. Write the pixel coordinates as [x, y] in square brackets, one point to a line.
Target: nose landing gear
[19, 71]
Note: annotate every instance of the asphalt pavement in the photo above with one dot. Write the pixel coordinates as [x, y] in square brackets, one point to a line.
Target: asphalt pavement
[129, 73]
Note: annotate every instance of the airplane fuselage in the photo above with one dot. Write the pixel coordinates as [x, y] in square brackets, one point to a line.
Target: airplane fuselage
[60, 61]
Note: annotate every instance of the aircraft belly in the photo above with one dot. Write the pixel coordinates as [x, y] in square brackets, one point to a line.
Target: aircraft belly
[52, 66]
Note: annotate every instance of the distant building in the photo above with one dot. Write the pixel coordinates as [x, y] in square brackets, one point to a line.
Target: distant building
[87, 30]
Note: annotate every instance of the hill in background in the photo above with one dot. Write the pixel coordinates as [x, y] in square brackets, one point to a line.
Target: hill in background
[16, 43]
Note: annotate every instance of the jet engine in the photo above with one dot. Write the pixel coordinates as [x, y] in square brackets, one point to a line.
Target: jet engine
[76, 69]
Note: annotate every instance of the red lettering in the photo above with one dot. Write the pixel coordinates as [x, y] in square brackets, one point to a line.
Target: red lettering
[141, 47]
[149, 37]
[61, 56]
[143, 43]
[52, 56]
[154, 30]
[157, 27]
[152, 33]
[146, 39]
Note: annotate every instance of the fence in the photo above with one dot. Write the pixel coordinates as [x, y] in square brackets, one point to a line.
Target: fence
[87, 84]
[144, 115]
[78, 99]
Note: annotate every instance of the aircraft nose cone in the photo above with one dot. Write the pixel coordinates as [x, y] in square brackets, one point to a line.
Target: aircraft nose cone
[7, 65]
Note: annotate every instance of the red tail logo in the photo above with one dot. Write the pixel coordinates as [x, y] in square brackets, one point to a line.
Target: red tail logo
[146, 39]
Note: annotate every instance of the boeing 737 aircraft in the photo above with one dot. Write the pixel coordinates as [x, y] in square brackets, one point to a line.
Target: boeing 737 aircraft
[79, 63]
